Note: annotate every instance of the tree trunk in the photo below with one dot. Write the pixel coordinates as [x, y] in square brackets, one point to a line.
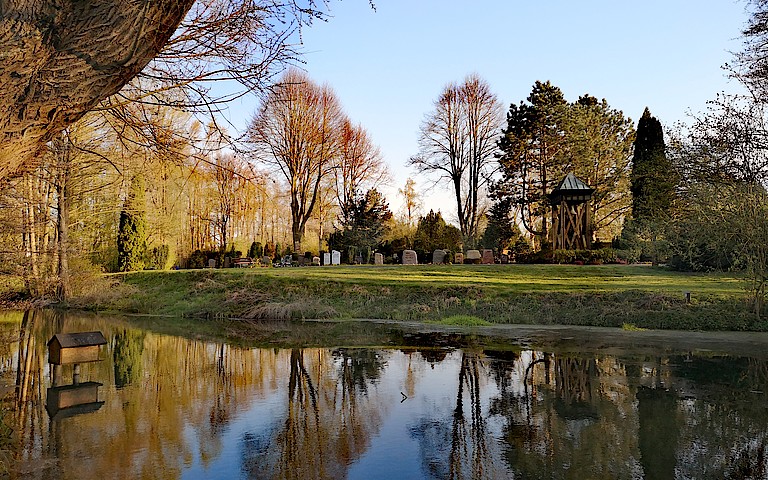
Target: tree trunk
[65, 285]
[61, 58]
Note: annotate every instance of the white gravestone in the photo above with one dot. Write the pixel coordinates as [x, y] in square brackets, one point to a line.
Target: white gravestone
[326, 258]
[378, 259]
[335, 257]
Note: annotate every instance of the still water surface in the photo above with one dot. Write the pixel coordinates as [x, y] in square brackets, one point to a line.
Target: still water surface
[172, 407]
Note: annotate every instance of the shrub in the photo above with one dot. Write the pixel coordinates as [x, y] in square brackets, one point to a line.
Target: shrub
[157, 258]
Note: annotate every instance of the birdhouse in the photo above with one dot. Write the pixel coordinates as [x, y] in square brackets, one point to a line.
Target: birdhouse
[73, 348]
[571, 214]
[69, 400]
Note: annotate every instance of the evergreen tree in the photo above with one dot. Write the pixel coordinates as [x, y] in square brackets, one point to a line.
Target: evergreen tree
[532, 146]
[653, 179]
[432, 233]
[501, 232]
[131, 236]
[366, 223]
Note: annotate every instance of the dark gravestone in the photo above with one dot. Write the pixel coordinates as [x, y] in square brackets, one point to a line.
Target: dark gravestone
[438, 257]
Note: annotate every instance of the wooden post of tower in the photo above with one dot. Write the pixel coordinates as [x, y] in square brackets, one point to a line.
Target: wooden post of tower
[571, 218]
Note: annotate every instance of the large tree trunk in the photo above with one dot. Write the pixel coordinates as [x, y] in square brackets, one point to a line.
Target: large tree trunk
[59, 59]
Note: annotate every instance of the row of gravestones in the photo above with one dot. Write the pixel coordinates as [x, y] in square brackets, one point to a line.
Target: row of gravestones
[409, 258]
[439, 257]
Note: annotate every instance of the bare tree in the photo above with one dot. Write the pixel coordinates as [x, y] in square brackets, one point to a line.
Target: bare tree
[360, 166]
[295, 131]
[411, 200]
[458, 143]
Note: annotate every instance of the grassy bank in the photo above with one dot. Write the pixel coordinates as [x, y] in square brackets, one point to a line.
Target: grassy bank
[641, 296]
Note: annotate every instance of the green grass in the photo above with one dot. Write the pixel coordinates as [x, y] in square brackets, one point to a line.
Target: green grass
[605, 295]
[462, 321]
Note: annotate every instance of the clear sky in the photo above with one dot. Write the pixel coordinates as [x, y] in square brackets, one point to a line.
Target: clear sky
[388, 66]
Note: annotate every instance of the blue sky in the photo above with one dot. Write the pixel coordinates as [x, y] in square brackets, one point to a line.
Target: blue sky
[387, 66]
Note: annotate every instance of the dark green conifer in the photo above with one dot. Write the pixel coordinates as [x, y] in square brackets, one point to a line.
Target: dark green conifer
[653, 179]
[131, 236]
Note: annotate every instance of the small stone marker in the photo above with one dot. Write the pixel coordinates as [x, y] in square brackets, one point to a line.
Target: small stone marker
[211, 263]
[378, 259]
[504, 258]
[438, 257]
[326, 258]
[335, 257]
[488, 257]
[458, 258]
[316, 261]
[227, 262]
[410, 258]
[266, 260]
[473, 256]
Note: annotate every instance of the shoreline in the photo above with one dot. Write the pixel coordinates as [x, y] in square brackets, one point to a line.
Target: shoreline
[602, 296]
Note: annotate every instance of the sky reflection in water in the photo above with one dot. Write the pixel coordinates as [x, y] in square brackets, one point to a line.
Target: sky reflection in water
[180, 408]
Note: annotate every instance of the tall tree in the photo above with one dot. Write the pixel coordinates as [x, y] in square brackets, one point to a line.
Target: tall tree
[532, 146]
[131, 237]
[457, 143]
[411, 200]
[296, 132]
[360, 166]
[653, 177]
[599, 150]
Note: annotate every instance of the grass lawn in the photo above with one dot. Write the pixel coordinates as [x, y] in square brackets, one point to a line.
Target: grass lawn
[609, 295]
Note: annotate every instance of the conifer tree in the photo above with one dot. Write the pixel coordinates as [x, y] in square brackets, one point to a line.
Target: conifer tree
[653, 179]
[131, 236]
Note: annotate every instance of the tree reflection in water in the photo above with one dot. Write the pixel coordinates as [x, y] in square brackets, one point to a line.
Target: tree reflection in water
[330, 417]
[178, 407]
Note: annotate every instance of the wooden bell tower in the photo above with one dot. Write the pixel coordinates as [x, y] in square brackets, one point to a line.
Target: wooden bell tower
[571, 217]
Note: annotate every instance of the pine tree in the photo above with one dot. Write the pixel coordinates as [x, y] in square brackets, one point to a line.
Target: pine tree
[653, 179]
[131, 236]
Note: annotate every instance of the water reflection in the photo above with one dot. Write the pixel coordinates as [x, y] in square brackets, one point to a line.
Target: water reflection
[186, 408]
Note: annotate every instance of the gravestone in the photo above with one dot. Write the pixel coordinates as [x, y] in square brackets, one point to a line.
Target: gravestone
[301, 260]
[458, 258]
[211, 263]
[378, 259]
[266, 260]
[335, 257]
[410, 258]
[326, 258]
[438, 257]
[488, 257]
[316, 261]
[504, 258]
[227, 262]
[473, 256]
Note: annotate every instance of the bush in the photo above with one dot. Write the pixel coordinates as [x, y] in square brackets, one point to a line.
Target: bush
[157, 258]
[593, 257]
[256, 250]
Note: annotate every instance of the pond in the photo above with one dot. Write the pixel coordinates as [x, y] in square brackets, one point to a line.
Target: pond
[523, 403]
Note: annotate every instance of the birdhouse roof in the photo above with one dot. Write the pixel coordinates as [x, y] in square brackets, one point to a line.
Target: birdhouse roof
[82, 339]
